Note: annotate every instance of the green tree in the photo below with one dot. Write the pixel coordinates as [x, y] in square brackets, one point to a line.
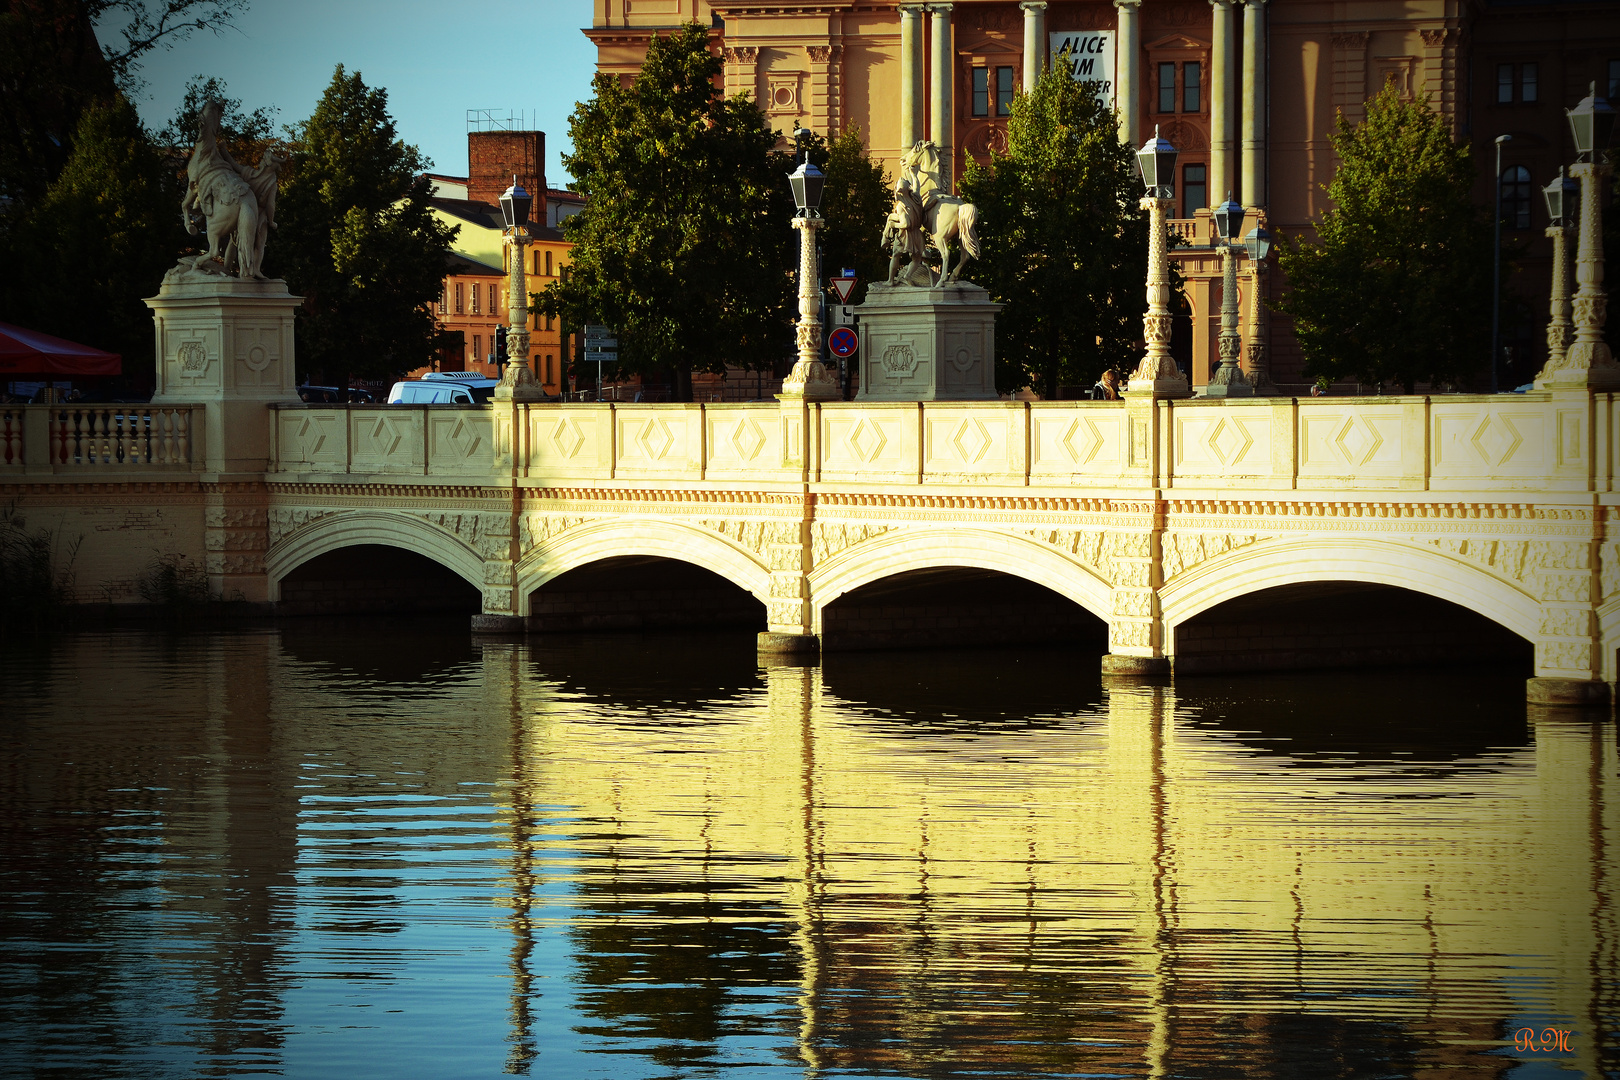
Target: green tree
[1397, 286]
[1064, 239]
[78, 261]
[682, 246]
[356, 238]
[245, 135]
[52, 68]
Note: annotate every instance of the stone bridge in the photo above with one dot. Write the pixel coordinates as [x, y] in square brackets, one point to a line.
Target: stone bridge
[1153, 516]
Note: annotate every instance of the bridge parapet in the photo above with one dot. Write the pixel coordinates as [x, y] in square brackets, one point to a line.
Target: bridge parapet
[117, 440]
[1532, 443]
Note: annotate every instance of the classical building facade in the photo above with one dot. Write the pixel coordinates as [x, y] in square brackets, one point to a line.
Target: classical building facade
[1247, 90]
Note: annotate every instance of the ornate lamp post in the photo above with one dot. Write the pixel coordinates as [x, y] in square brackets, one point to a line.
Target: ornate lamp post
[517, 381]
[1587, 363]
[1229, 380]
[1561, 197]
[809, 378]
[1157, 373]
[1258, 245]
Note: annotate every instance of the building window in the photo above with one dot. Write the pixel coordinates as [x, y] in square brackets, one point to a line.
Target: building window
[476, 294]
[1516, 197]
[548, 323]
[1527, 83]
[441, 298]
[1194, 189]
[1504, 84]
[548, 367]
[1167, 88]
[459, 305]
[494, 304]
[548, 264]
[981, 91]
[1004, 91]
[1192, 85]
[478, 349]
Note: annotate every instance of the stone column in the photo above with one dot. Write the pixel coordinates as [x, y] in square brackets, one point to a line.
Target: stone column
[941, 110]
[1254, 103]
[518, 382]
[1127, 80]
[1587, 364]
[911, 76]
[1229, 380]
[1158, 374]
[1255, 347]
[1222, 114]
[1558, 325]
[1034, 41]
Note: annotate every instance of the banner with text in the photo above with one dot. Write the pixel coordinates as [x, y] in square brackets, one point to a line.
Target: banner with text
[1090, 57]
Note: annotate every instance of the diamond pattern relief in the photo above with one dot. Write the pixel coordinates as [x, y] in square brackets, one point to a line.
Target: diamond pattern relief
[385, 437]
[1357, 441]
[310, 440]
[1229, 441]
[867, 434]
[1496, 439]
[463, 440]
[747, 439]
[655, 439]
[1082, 441]
[971, 440]
[567, 437]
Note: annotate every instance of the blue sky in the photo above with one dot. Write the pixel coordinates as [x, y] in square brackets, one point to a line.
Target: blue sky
[436, 60]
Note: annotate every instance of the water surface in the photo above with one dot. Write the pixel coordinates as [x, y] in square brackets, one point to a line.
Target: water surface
[380, 849]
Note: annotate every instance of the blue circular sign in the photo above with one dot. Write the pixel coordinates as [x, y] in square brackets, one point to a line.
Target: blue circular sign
[842, 343]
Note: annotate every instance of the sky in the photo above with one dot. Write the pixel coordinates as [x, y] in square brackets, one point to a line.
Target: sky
[436, 61]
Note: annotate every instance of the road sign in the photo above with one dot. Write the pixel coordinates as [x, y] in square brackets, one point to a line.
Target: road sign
[842, 343]
[843, 286]
[601, 337]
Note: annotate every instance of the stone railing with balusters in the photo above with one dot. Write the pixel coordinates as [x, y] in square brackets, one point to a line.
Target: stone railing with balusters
[116, 437]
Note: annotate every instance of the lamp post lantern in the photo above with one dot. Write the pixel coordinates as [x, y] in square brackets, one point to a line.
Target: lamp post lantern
[1587, 362]
[1229, 380]
[809, 379]
[1157, 374]
[517, 381]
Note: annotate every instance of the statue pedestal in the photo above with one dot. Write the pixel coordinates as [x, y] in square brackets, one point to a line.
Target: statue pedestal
[226, 344]
[928, 344]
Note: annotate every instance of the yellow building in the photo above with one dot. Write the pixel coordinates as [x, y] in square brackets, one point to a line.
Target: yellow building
[1247, 90]
[473, 301]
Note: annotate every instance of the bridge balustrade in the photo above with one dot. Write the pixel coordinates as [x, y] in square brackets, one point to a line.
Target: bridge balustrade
[122, 438]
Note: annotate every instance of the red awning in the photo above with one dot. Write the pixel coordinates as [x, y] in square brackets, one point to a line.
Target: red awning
[26, 353]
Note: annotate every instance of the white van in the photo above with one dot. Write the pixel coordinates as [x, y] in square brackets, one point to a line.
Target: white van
[445, 388]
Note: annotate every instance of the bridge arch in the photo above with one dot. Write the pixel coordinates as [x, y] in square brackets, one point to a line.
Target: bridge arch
[351, 528]
[598, 541]
[904, 550]
[1270, 564]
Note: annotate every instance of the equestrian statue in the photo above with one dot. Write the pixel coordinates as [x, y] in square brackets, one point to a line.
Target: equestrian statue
[235, 205]
[924, 217]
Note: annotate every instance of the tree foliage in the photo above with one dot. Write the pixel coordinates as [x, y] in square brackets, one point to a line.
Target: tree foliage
[356, 238]
[1064, 239]
[52, 69]
[245, 135]
[1397, 286]
[78, 261]
[682, 245]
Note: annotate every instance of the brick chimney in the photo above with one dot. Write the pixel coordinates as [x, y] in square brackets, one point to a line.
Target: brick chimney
[493, 157]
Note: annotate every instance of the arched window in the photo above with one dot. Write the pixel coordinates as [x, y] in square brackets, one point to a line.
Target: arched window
[1516, 197]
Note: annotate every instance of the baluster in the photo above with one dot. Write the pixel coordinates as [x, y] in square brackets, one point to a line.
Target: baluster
[140, 449]
[123, 436]
[81, 436]
[55, 439]
[182, 439]
[100, 445]
[165, 418]
[13, 445]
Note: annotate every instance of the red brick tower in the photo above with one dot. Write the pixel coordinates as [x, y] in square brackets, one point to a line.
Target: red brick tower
[494, 157]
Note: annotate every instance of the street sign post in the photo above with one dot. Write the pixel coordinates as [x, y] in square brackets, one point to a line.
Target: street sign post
[602, 346]
[842, 343]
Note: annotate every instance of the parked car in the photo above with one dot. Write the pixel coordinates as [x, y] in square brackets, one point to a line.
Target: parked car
[335, 394]
[444, 388]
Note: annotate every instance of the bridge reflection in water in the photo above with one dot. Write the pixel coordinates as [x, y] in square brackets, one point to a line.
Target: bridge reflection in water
[249, 851]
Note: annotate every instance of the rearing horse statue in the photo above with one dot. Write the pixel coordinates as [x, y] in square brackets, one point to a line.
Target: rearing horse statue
[922, 212]
[215, 189]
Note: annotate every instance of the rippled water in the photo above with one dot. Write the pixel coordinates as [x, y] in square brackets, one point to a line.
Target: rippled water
[381, 850]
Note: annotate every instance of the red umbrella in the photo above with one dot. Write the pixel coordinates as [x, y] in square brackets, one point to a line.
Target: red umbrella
[31, 353]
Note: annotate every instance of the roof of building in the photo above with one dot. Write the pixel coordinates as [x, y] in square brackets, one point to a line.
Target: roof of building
[456, 263]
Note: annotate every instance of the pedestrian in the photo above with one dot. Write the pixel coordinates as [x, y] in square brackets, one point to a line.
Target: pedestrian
[1107, 387]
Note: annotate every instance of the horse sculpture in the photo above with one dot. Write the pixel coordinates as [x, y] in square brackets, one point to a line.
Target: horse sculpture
[922, 216]
[216, 190]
